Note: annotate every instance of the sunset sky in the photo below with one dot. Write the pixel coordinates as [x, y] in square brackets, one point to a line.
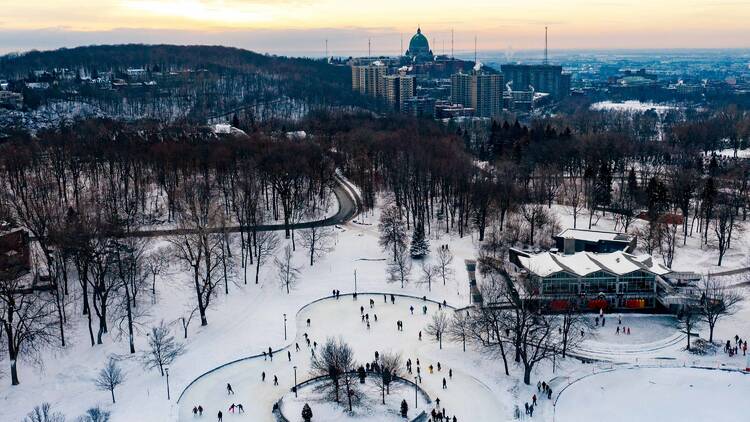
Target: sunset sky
[301, 26]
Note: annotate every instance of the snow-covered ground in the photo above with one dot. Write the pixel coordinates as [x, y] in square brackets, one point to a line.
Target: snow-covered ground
[251, 318]
[632, 106]
[656, 394]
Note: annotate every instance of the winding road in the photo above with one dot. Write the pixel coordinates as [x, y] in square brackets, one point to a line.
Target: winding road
[346, 194]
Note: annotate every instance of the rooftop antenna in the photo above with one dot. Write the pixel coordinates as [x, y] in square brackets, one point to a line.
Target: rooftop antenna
[451, 43]
[326, 49]
[369, 48]
[546, 60]
[402, 44]
[475, 49]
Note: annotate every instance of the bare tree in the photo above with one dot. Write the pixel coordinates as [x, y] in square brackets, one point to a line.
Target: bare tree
[429, 274]
[572, 323]
[392, 230]
[266, 243]
[717, 301]
[444, 262]
[400, 267]
[390, 368]
[335, 360]
[724, 227]
[185, 320]
[44, 413]
[286, 272]
[95, 414]
[459, 328]
[156, 263]
[110, 377]
[27, 319]
[437, 326]
[689, 317]
[318, 240]
[163, 348]
[198, 247]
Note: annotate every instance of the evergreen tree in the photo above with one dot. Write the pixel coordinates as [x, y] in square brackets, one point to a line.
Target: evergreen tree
[307, 413]
[420, 247]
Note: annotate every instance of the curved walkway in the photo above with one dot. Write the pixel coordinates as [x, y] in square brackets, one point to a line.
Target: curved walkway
[346, 194]
[339, 317]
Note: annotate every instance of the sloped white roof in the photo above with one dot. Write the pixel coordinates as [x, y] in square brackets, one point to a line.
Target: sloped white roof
[593, 235]
[583, 263]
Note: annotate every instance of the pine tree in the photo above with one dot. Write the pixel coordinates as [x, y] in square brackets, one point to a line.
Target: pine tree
[420, 247]
[307, 413]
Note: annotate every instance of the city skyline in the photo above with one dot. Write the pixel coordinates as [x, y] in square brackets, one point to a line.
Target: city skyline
[300, 27]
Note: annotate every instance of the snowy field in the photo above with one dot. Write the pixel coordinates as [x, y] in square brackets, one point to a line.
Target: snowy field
[250, 319]
[656, 394]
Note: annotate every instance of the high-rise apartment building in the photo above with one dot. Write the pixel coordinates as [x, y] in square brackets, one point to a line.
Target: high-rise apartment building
[398, 89]
[368, 79]
[478, 90]
[539, 78]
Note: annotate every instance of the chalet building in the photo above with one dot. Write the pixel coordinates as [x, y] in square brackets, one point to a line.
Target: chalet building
[15, 256]
[580, 240]
[615, 280]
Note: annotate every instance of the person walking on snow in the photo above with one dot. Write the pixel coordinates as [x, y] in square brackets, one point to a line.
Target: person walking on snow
[275, 380]
[445, 384]
[229, 389]
[219, 416]
[231, 408]
[263, 376]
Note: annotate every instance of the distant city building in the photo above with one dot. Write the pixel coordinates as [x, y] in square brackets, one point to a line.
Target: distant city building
[538, 77]
[419, 106]
[449, 110]
[481, 91]
[368, 79]
[398, 89]
[419, 48]
[11, 100]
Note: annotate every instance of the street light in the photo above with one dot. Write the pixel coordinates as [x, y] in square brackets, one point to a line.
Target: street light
[295, 381]
[415, 394]
[166, 371]
[284, 327]
[355, 280]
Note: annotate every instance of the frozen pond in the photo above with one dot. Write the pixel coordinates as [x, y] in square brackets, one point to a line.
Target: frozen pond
[656, 394]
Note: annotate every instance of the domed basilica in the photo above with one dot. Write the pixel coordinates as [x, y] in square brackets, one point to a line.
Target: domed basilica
[419, 48]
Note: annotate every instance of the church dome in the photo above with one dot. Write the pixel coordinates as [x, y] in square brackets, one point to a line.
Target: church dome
[418, 43]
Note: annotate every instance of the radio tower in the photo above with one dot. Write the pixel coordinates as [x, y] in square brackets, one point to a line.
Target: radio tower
[326, 49]
[546, 60]
[369, 48]
[475, 49]
[401, 53]
[451, 43]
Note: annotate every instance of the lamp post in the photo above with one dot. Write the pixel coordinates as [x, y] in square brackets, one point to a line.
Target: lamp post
[355, 280]
[415, 394]
[295, 381]
[284, 327]
[166, 371]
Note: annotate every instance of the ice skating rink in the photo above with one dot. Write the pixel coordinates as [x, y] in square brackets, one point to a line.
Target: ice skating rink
[657, 394]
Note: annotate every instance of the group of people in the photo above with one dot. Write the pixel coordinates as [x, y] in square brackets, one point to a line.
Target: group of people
[431, 369]
[439, 414]
[739, 345]
[543, 389]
